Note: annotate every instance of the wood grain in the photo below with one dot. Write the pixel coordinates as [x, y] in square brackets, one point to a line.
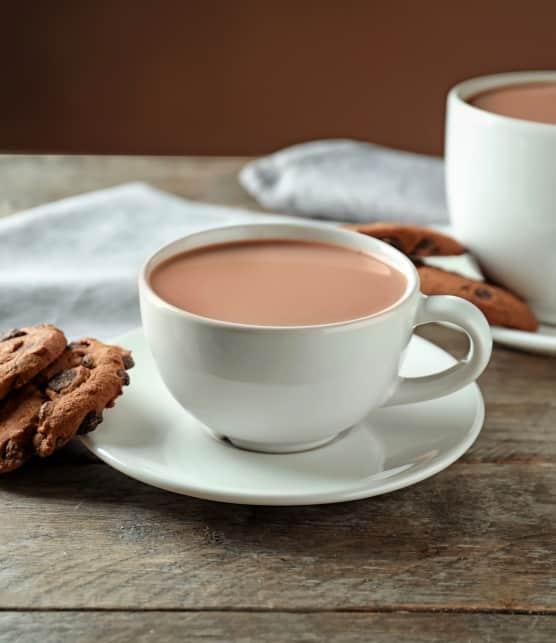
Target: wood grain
[520, 397]
[476, 536]
[215, 627]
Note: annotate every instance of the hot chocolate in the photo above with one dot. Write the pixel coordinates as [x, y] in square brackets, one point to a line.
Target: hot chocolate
[278, 282]
[534, 101]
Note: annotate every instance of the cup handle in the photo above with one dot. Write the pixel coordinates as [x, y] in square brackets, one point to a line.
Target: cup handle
[458, 311]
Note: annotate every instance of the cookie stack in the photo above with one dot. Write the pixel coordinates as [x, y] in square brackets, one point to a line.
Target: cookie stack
[51, 391]
[500, 306]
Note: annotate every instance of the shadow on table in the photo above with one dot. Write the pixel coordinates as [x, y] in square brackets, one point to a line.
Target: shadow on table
[407, 520]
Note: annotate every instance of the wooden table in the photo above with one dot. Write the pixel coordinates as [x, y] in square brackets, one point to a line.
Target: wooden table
[469, 555]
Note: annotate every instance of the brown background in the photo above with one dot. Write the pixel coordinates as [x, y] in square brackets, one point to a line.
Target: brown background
[249, 76]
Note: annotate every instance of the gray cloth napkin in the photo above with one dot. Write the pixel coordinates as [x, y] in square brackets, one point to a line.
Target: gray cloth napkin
[74, 263]
[349, 181]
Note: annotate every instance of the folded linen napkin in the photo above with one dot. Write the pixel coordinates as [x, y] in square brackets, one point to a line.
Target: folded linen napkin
[74, 263]
[349, 181]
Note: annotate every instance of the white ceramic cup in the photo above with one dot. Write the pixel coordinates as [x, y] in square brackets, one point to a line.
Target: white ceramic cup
[501, 188]
[283, 389]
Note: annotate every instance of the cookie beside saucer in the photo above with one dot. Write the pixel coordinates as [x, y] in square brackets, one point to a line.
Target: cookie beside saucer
[64, 399]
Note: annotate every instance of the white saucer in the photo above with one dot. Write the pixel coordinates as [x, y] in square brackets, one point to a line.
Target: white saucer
[148, 436]
[543, 341]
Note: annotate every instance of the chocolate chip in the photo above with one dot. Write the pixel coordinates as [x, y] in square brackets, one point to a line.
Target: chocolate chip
[425, 244]
[125, 377]
[60, 442]
[62, 380]
[12, 451]
[90, 423]
[483, 293]
[37, 440]
[128, 362]
[43, 410]
[393, 241]
[10, 334]
[18, 344]
[88, 361]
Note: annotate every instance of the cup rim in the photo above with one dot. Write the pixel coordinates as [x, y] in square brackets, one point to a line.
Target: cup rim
[461, 92]
[384, 251]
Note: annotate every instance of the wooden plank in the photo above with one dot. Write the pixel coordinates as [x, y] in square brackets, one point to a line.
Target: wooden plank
[512, 377]
[27, 181]
[474, 537]
[519, 391]
[516, 432]
[213, 627]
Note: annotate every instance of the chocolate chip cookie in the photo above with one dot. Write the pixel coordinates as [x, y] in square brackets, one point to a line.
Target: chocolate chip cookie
[64, 399]
[79, 385]
[24, 352]
[412, 240]
[499, 306]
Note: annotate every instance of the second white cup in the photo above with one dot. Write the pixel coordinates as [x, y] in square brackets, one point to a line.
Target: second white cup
[501, 188]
